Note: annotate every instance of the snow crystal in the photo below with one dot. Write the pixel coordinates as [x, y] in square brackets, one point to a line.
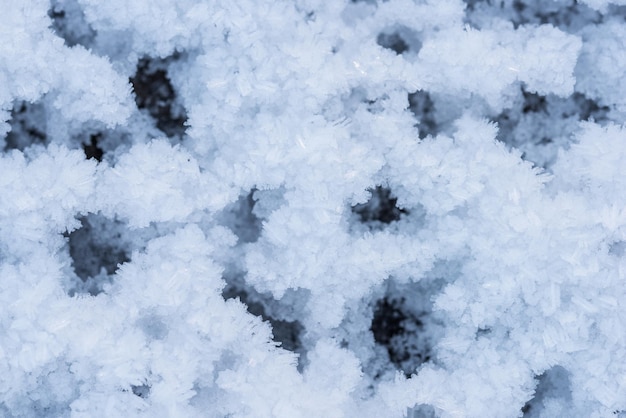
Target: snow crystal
[403, 208]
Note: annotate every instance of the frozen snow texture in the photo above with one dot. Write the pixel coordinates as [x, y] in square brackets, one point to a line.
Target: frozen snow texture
[603, 4]
[428, 196]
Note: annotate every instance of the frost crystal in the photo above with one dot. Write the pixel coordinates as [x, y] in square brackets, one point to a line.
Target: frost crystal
[367, 208]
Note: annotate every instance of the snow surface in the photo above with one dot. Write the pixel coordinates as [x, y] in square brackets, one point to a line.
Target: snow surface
[306, 208]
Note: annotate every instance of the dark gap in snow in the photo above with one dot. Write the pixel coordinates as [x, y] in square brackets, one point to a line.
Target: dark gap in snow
[204, 393]
[526, 409]
[240, 218]
[97, 248]
[68, 22]
[423, 107]
[617, 248]
[552, 385]
[422, 411]
[401, 333]
[577, 105]
[404, 326]
[615, 10]
[392, 41]
[358, 96]
[286, 333]
[481, 332]
[540, 125]
[534, 102]
[154, 93]
[376, 106]
[28, 126]
[569, 16]
[310, 16]
[380, 208]
[470, 5]
[400, 39]
[100, 143]
[143, 391]
[92, 150]
[589, 109]
[573, 16]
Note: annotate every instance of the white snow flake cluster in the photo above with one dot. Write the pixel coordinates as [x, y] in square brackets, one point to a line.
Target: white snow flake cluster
[307, 208]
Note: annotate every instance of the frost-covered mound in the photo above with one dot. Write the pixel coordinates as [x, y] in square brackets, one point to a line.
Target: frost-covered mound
[313, 208]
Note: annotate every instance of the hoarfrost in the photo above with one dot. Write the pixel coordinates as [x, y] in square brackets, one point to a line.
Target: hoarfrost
[311, 208]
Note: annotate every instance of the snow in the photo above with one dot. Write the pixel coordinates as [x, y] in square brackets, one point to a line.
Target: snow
[403, 208]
